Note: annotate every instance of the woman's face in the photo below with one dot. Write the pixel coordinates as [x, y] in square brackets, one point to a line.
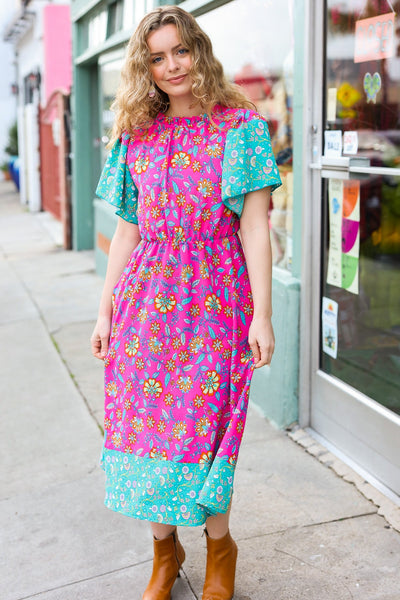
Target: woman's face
[170, 62]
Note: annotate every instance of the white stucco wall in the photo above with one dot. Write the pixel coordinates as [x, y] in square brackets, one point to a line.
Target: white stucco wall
[8, 112]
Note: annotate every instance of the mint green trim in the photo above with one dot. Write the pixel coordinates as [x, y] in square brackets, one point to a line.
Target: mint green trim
[248, 164]
[164, 491]
[118, 39]
[116, 185]
[80, 8]
[86, 156]
[274, 390]
[199, 7]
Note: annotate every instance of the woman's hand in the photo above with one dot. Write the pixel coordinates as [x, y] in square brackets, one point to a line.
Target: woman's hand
[101, 337]
[262, 341]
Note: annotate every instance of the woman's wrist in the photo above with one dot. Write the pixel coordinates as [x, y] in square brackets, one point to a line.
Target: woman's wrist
[262, 315]
[105, 313]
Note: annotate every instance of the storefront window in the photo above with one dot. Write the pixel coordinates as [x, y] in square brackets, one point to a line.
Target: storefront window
[97, 29]
[361, 241]
[110, 73]
[254, 41]
[115, 17]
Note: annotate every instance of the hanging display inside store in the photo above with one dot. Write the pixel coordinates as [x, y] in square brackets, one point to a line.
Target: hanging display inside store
[374, 38]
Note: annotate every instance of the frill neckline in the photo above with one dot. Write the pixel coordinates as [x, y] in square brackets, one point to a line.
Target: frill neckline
[189, 120]
[194, 120]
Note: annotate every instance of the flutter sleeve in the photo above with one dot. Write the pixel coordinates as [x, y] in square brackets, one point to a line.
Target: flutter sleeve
[116, 185]
[249, 163]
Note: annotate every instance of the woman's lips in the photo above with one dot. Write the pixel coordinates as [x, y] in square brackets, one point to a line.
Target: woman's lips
[177, 80]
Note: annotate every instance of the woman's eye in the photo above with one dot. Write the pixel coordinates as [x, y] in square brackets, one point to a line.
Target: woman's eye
[156, 60]
[183, 51]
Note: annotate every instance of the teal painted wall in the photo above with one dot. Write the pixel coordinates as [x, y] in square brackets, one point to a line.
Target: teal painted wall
[274, 389]
[86, 154]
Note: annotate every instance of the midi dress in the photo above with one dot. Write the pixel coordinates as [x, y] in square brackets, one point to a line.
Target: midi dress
[179, 366]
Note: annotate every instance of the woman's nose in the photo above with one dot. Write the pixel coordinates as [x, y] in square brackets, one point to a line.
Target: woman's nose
[172, 63]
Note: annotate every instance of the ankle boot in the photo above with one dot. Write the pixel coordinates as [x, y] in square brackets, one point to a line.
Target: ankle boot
[220, 571]
[168, 558]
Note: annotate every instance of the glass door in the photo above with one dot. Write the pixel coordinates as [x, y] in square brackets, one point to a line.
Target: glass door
[356, 385]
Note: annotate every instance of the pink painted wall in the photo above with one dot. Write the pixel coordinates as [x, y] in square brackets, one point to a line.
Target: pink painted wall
[57, 48]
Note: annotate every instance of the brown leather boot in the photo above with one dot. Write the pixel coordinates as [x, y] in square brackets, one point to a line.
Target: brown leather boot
[168, 558]
[220, 571]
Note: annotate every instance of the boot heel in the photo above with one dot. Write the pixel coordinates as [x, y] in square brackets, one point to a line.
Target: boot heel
[168, 558]
[220, 571]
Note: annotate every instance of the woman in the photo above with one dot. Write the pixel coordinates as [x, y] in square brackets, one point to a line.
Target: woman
[184, 317]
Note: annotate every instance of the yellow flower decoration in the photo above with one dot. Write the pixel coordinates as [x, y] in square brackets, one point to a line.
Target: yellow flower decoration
[141, 164]
[152, 387]
[211, 384]
[213, 304]
[180, 159]
[205, 458]
[164, 304]
[132, 346]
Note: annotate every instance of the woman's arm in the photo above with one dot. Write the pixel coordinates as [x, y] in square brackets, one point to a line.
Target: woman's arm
[124, 241]
[254, 233]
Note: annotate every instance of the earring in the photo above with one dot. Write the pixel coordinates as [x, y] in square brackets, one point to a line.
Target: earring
[152, 92]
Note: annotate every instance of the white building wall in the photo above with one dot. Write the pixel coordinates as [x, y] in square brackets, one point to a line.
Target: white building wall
[29, 53]
[8, 111]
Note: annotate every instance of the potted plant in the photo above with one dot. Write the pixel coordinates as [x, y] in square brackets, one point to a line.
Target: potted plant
[6, 171]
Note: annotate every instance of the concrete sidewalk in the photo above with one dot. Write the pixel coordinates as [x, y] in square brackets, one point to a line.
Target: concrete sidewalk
[303, 532]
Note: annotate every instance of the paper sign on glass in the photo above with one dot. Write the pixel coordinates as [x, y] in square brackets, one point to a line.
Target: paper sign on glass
[331, 104]
[350, 142]
[351, 199]
[329, 327]
[335, 192]
[375, 38]
[333, 143]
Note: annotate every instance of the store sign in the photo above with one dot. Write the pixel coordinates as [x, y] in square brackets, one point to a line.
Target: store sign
[374, 38]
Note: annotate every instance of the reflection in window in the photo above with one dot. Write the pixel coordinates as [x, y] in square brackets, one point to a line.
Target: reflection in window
[97, 29]
[362, 96]
[363, 76]
[115, 14]
[110, 75]
[261, 61]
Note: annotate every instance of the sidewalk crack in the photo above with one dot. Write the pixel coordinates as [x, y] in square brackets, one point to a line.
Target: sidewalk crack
[78, 581]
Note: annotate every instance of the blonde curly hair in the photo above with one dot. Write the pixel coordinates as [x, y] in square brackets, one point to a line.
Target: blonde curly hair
[135, 107]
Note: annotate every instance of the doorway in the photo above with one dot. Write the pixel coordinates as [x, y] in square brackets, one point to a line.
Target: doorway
[355, 373]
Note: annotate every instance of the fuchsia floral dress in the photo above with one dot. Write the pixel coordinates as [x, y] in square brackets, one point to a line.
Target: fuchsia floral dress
[179, 366]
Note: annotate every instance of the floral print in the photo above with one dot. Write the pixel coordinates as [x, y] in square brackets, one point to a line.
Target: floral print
[179, 366]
